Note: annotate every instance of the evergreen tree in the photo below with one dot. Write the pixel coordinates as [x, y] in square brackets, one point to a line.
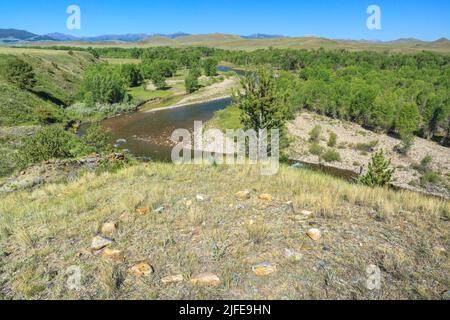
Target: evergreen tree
[380, 172]
[261, 105]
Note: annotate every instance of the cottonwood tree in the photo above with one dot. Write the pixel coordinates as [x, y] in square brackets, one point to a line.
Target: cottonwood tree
[407, 123]
[210, 67]
[191, 81]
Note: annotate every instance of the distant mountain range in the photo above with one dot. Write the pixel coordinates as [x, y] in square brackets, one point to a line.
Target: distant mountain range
[14, 36]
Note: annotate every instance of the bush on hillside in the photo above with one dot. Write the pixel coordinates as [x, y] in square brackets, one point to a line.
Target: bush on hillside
[380, 173]
[20, 73]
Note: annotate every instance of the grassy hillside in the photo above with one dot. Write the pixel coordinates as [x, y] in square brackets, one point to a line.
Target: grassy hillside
[46, 231]
[58, 76]
[233, 42]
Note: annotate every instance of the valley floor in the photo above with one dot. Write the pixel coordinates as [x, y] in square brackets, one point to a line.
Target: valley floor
[183, 221]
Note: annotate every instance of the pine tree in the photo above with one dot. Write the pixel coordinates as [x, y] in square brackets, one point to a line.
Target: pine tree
[380, 172]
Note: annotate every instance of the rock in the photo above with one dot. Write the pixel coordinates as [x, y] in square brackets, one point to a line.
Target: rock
[240, 207]
[159, 210]
[265, 197]
[100, 242]
[306, 213]
[439, 250]
[142, 211]
[314, 234]
[264, 269]
[111, 254]
[207, 279]
[243, 195]
[290, 206]
[121, 141]
[142, 269]
[109, 227]
[201, 198]
[173, 279]
[293, 255]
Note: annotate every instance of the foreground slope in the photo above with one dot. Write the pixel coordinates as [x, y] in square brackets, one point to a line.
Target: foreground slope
[46, 231]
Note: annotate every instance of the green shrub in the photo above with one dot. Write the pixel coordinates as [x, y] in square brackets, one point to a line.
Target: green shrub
[96, 140]
[53, 142]
[380, 172]
[425, 164]
[331, 156]
[429, 177]
[314, 135]
[20, 73]
[50, 143]
[316, 149]
[332, 140]
[367, 147]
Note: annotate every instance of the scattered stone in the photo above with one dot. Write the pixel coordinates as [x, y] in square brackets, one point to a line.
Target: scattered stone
[243, 195]
[99, 242]
[290, 206]
[142, 211]
[314, 234]
[109, 227]
[173, 279]
[201, 198]
[111, 254]
[142, 269]
[306, 213]
[207, 279]
[188, 203]
[265, 197]
[240, 207]
[121, 141]
[293, 255]
[439, 250]
[264, 269]
[159, 210]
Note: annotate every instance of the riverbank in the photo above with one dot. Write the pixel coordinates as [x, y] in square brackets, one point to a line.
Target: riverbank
[215, 91]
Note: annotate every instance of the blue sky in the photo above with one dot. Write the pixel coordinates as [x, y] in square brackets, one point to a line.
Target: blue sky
[426, 19]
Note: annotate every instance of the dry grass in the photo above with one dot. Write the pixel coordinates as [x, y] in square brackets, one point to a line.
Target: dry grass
[233, 42]
[46, 231]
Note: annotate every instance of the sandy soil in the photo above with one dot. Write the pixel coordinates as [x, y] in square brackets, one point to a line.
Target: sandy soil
[223, 88]
[350, 134]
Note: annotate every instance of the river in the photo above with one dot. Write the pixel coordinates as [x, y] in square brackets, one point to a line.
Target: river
[147, 134]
